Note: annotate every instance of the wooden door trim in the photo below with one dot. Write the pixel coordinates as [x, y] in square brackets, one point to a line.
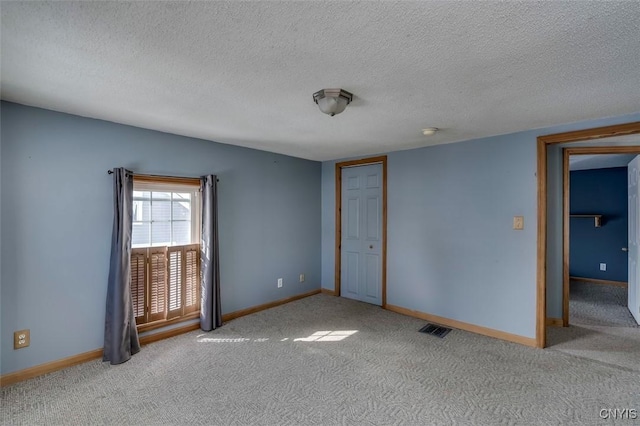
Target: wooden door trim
[591, 134]
[543, 143]
[338, 219]
[566, 192]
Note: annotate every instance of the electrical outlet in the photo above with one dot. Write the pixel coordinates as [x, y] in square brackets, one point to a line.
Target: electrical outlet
[279, 282]
[603, 266]
[21, 339]
[301, 278]
[518, 223]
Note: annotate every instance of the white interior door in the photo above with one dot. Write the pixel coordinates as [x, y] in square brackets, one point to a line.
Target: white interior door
[634, 238]
[361, 242]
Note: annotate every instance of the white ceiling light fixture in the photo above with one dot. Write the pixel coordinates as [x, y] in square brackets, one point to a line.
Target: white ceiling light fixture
[332, 101]
[430, 131]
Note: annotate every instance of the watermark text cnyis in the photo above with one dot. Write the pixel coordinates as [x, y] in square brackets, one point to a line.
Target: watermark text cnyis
[618, 413]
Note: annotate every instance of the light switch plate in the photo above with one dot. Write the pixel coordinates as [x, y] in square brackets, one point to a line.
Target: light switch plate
[518, 222]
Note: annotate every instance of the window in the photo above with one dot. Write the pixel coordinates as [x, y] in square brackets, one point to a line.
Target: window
[165, 255]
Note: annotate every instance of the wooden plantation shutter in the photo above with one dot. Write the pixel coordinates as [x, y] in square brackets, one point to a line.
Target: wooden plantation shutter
[138, 277]
[183, 280]
[191, 278]
[165, 282]
[176, 278]
[157, 276]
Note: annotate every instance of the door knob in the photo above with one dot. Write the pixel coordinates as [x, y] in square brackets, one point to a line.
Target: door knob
[371, 247]
[625, 249]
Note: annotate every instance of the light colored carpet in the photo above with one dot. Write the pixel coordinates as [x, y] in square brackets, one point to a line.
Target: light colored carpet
[601, 327]
[254, 371]
[598, 304]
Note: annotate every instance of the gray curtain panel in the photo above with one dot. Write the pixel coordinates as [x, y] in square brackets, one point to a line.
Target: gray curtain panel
[120, 333]
[210, 312]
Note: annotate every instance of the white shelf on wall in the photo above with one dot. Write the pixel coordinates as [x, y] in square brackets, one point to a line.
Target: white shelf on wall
[597, 218]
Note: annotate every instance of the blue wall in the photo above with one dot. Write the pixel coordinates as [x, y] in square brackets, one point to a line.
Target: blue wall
[451, 248]
[601, 191]
[56, 217]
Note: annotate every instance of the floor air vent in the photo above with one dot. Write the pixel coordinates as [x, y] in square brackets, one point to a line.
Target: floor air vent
[435, 330]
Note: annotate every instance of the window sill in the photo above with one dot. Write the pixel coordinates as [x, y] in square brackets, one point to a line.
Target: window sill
[163, 323]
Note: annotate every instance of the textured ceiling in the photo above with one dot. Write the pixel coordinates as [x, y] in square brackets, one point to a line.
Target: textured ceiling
[244, 72]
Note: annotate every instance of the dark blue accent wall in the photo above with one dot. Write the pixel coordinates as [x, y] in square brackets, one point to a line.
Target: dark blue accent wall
[601, 191]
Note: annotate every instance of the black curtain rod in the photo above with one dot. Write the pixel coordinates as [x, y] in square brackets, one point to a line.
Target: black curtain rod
[110, 172]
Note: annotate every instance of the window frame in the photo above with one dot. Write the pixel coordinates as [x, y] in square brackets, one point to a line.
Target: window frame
[192, 219]
[195, 208]
[150, 319]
